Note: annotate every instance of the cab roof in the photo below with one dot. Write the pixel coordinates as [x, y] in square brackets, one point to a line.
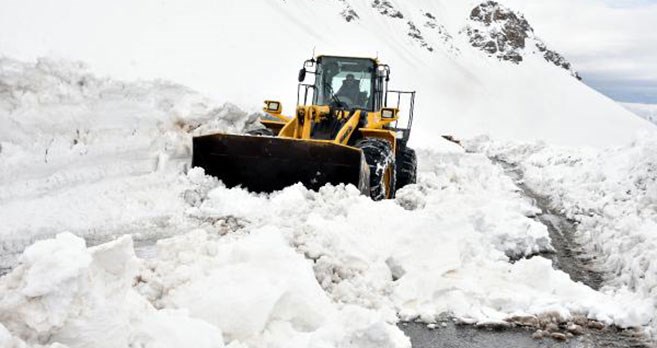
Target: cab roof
[375, 60]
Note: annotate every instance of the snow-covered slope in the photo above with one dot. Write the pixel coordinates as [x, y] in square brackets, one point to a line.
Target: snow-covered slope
[247, 53]
[647, 111]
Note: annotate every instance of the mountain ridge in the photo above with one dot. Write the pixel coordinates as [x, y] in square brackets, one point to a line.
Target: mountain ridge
[246, 54]
[491, 27]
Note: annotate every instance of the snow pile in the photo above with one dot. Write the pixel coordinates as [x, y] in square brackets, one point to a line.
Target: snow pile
[442, 247]
[61, 125]
[256, 290]
[67, 294]
[92, 155]
[613, 196]
[299, 268]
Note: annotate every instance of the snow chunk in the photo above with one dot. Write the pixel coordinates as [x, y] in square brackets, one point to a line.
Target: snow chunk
[47, 274]
[256, 280]
[64, 293]
[258, 290]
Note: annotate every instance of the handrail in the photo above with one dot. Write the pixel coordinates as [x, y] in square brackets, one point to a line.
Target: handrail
[405, 130]
[306, 87]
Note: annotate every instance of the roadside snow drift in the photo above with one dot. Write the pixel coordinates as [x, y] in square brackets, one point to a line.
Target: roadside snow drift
[67, 294]
[612, 194]
[93, 156]
[299, 268]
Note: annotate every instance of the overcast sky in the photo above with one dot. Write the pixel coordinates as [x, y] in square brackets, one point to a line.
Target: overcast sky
[613, 44]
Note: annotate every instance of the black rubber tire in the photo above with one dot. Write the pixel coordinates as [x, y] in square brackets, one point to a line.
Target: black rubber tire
[406, 167]
[379, 157]
[266, 132]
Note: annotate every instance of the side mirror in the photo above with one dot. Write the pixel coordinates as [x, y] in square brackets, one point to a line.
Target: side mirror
[302, 74]
[272, 107]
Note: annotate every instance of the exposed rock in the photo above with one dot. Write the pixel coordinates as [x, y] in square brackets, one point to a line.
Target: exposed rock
[539, 334]
[552, 327]
[528, 320]
[386, 8]
[431, 24]
[507, 35]
[498, 31]
[575, 329]
[558, 336]
[349, 15]
[596, 325]
[348, 12]
[556, 58]
[580, 320]
[550, 318]
[416, 35]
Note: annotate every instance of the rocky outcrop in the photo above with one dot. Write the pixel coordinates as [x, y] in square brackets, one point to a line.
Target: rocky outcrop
[348, 12]
[415, 34]
[556, 59]
[387, 9]
[349, 15]
[505, 34]
[498, 31]
[431, 24]
[423, 34]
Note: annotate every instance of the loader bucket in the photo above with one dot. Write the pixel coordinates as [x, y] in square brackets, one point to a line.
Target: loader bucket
[266, 164]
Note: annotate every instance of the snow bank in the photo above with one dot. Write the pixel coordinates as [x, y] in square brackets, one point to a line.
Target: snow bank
[299, 268]
[612, 194]
[256, 291]
[60, 126]
[95, 156]
[442, 247]
[65, 293]
[259, 291]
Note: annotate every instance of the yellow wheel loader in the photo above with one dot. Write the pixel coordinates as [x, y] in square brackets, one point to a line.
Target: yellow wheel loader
[345, 129]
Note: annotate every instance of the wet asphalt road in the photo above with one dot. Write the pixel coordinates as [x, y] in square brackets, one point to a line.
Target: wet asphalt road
[467, 336]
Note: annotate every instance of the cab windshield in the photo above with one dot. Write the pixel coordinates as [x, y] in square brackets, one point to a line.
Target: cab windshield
[344, 82]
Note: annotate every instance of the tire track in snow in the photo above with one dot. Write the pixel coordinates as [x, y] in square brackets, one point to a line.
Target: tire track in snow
[569, 256]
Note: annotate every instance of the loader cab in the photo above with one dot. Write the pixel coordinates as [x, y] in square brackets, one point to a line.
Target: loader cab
[346, 82]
